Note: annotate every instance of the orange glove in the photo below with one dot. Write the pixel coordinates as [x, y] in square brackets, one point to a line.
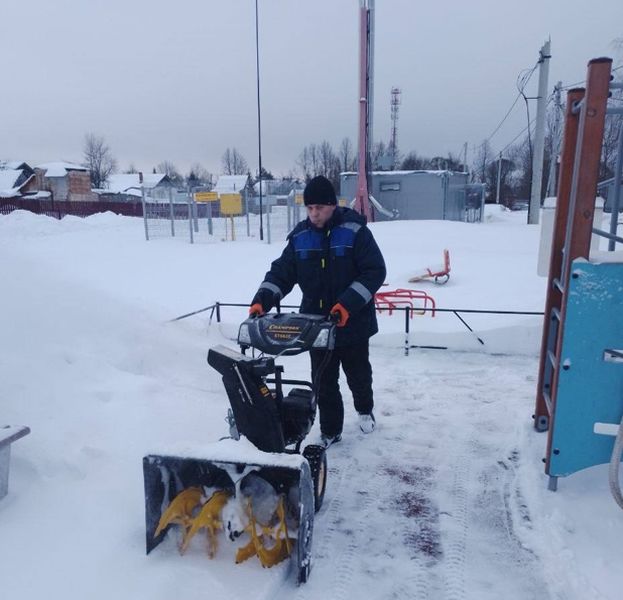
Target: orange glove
[341, 313]
[256, 310]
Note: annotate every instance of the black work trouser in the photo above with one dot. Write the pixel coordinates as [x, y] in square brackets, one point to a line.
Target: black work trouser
[355, 362]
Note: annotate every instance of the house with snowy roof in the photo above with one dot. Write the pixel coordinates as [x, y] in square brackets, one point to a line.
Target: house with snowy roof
[126, 187]
[231, 184]
[16, 179]
[65, 181]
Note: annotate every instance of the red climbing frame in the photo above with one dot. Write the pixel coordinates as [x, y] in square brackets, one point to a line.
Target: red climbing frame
[398, 298]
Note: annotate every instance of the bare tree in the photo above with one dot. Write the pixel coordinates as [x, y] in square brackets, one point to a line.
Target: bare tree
[169, 169]
[613, 129]
[308, 161]
[520, 179]
[319, 159]
[98, 159]
[413, 162]
[483, 157]
[347, 155]
[454, 163]
[303, 164]
[377, 153]
[326, 159]
[198, 176]
[233, 162]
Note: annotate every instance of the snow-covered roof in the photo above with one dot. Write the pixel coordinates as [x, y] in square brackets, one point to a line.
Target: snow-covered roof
[119, 183]
[8, 178]
[256, 186]
[40, 195]
[59, 169]
[227, 184]
[9, 187]
[12, 164]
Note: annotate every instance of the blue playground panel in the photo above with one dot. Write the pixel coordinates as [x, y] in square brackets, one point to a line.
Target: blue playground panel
[590, 388]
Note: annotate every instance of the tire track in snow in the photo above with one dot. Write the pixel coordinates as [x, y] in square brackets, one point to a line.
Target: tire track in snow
[416, 585]
[345, 570]
[332, 514]
[454, 563]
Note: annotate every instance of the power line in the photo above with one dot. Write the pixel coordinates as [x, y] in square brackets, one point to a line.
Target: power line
[482, 169]
[583, 81]
[505, 116]
[526, 128]
[522, 80]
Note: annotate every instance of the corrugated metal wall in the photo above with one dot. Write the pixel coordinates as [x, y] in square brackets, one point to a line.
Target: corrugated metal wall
[416, 195]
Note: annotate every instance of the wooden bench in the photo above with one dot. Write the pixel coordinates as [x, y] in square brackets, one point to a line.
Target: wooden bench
[8, 434]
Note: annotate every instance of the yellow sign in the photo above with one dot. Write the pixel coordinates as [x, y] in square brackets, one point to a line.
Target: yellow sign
[206, 196]
[231, 204]
[343, 202]
[298, 198]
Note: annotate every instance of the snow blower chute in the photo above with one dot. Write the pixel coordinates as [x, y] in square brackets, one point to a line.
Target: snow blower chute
[255, 487]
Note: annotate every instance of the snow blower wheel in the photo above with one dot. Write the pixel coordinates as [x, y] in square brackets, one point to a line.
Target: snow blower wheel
[317, 458]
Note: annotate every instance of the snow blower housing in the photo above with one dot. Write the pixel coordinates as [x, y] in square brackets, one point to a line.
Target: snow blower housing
[257, 488]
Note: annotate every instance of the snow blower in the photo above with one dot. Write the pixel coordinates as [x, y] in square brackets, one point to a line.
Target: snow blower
[254, 486]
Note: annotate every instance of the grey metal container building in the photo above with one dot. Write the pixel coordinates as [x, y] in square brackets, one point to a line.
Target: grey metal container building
[418, 195]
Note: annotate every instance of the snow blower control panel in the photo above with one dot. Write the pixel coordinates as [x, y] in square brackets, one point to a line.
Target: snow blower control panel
[287, 333]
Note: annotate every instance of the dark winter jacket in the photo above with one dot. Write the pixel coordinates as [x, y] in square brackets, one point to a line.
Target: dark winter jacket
[339, 263]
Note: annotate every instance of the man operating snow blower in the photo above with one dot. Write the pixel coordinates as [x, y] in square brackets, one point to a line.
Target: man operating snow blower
[336, 262]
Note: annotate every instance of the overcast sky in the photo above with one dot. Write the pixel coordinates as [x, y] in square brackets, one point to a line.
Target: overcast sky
[176, 80]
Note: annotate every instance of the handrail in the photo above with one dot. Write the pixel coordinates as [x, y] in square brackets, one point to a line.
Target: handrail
[216, 309]
[609, 236]
[451, 310]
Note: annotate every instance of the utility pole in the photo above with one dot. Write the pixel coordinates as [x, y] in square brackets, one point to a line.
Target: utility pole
[553, 159]
[497, 193]
[465, 170]
[539, 136]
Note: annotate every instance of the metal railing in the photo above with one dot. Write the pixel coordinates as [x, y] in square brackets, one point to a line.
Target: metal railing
[215, 311]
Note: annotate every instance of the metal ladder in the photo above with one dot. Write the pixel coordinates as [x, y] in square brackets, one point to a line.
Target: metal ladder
[573, 225]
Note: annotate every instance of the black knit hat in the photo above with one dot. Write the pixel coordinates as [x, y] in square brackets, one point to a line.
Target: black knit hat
[319, 191]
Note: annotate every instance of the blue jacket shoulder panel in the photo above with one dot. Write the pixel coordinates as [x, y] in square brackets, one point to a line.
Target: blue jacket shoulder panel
[339, 263]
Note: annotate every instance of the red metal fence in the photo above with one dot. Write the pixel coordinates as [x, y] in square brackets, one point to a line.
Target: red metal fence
[58, 209]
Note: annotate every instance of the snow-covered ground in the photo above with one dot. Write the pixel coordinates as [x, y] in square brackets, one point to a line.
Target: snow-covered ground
[446, 500]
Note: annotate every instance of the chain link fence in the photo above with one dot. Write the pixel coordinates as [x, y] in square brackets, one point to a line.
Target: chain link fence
[181, 216]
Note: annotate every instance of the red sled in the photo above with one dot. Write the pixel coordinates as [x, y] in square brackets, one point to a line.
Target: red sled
[438, 274]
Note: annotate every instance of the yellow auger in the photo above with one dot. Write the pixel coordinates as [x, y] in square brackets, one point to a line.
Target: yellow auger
[282, 546]
[181, 509]
[271, 546]
[209, 517]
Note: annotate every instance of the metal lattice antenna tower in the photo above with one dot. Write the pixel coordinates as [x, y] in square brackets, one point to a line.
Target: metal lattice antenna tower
[395, 104]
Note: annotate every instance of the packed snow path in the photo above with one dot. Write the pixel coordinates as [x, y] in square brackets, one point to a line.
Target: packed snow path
[426, 506]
